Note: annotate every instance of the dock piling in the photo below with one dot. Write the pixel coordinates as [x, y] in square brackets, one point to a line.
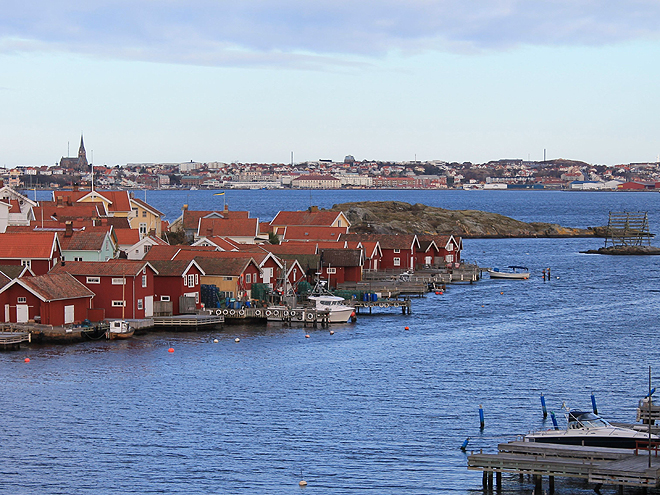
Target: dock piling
[593, 403]
[481, 416]
[554, 420]
[545, 411]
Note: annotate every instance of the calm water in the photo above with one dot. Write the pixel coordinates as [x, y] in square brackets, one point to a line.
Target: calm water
[370, 409]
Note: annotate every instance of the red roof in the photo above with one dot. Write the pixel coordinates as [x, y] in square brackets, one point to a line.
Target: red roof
[387, 241]
[231, 227]
[120, 201]
[291, 248]
[318, 218]
[191, 217]
[84, 240]
[51, 210]
[127, 237]
[28, 245]
[167, 252]
[55, 287]
[313, 233]
[110, 268]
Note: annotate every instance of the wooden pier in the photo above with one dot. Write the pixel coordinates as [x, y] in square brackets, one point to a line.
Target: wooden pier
[188, 322]
[404, 304]
[598, 465]
[10, 341]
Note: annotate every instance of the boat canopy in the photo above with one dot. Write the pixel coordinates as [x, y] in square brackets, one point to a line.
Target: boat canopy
[515, 267]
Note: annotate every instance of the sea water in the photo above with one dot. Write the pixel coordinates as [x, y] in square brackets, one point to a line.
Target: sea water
[371, 409]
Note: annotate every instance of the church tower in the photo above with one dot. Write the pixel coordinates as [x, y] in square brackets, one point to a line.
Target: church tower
[82, 156]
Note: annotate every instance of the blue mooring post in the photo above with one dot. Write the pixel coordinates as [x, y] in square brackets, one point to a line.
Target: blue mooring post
[593, 403]
[464, 446]
[545, 411]
[554, 420]
[481, 416]
[650, 393]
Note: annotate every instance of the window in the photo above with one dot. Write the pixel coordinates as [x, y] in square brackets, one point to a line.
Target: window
[139, 304]
[27, 263]
[77, 258]
[397, 261]
[135, 212]
[397, 250]
[144, 214]
[248, 278]
[147, 247]
[144, 280]
[191, 280]
[165, 298]
[21, 300]
[93, 280]
[450, 247]
[331, 271]
[118, 281]
[118, 304]
[196, 278]
[227, 279]
[143, 229]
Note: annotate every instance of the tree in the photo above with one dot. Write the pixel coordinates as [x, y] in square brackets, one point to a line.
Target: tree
[273, 238]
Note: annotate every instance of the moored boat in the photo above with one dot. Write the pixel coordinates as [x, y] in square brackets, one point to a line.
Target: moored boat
[590, 430]
[120, 329]
[515, 272]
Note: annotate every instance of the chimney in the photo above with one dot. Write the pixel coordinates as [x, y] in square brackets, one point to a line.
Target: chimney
[313, 209]
[185, 207]
[2, 183]
[59, 201]
[226, 208]
[68, 228]
[75, 188]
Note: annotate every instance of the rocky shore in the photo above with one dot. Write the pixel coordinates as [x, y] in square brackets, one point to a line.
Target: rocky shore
[397, 217]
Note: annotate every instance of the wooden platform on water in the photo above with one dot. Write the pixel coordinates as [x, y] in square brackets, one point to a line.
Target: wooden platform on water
[10, 341]
[404, 304]
[188, 322]
[599, 465]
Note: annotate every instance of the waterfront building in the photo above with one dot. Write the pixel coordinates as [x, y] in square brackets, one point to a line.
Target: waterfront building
[316, 181]
[145, 218]
[39, 251]
[311, 217]
[399, 250]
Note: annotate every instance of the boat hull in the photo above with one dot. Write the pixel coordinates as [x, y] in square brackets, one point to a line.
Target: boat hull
[508, 275]
[593, 441]
[121, 335]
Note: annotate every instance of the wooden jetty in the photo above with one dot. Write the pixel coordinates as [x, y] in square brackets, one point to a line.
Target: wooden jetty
[599, 465]
[10, 341]
[188, 322]
[404, 304]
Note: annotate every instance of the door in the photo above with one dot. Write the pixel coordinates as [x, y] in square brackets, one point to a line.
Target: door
[69, 314]
[148, 306]
[267, 274]
[428, 260]
[22, 313]
[6, 313]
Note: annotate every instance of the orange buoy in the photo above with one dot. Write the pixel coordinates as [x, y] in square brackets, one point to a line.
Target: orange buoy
[407, 328]
[306, 336]
[332, 332]
[437, 292]
[27, 360]
[353, 314]
[171, 349]
[501, 292]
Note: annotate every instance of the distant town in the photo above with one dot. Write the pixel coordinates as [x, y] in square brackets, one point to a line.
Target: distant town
[329, 174]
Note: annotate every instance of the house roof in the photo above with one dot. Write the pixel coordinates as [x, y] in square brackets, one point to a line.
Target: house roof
[147, 207]
[53, 287]
[78, 211]
[174, 268]
[441, 241]
[28, 245]
[319, 218]
[386, 241]
[110, 268]
[167, 252]
[12, 271]
[341, 257]
[127, 237]
[290, 248]
[259, 256]
[315, 233]
[315, 177]
[225, 266]
[84, 240]
[191, 217]
[220, 242]
[229, 227]
[116, 201]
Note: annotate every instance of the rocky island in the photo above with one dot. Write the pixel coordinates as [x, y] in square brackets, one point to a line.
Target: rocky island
[397, 217]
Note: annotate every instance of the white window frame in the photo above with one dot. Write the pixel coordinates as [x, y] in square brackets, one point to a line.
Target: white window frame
[77, 258]
[118, 281]
[27, 263]
[93, 280]
[227, 279]
[191, 280]
[143, 229]
[21, 300]
[248, 278]
[144, 280]
[397, 261]
[118, 304]
[196, 278]
[332, 271]
[165, 298]
[397, 251]
[140, 305]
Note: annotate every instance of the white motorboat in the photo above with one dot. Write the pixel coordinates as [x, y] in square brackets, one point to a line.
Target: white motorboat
[589, 429]
[120, 329]
[339, 311]
[515, 272]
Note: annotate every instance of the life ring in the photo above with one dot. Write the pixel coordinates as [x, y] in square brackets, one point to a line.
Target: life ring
[286, 313]
[218, 312]
[225, 312]
[232, 312]
[268, 312]
[276, 313]
[241, 312]
[310, 316]
[382, 305]
[257, 312]
[300, 316]
[292, 314]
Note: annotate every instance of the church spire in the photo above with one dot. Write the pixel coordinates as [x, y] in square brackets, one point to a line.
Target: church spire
[82, 155]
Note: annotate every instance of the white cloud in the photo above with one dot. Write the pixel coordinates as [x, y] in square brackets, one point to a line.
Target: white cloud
[313, 34]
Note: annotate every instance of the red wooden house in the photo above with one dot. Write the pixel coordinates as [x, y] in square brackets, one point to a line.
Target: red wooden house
[123, 288]
[51, 299]
[176, 278]
[399, 251]
[39, 251]
[446, 249]
[341, 265]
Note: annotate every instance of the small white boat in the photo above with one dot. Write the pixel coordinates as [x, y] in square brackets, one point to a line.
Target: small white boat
[515, 272]
[589, 429]
[120, 329]
[339, 311]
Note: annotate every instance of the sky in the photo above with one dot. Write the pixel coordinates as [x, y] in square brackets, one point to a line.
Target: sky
[170, 81]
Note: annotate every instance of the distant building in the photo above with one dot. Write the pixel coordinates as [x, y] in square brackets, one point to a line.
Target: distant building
[76, 163]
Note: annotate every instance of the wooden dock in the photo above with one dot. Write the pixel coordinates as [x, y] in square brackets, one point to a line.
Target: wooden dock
[598, 465]
[404, 304]
[10, 341]
[188, 322]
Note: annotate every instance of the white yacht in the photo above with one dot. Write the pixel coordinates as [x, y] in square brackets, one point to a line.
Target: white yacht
[589, 429]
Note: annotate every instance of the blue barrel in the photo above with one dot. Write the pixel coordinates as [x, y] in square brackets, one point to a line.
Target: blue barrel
[374, 297]
[365, 296]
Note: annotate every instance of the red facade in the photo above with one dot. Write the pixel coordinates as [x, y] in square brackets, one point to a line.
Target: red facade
[19, 305]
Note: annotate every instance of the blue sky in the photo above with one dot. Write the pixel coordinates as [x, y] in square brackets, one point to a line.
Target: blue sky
[254, 80]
